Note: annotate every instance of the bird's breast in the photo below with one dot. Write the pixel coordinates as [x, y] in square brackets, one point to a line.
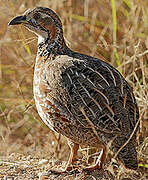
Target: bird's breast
[48, 89]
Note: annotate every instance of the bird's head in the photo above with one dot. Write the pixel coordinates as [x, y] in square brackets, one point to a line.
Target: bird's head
[45, 23]
[42, 21]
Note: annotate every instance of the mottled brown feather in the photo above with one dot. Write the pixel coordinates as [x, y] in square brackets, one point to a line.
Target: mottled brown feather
[82, 97]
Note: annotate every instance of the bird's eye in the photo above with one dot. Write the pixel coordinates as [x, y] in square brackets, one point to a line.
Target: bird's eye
[36, 16]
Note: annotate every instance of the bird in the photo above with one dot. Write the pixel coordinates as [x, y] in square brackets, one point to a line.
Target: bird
[83, 98]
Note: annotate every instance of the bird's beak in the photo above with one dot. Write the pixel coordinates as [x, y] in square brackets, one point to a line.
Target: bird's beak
[18, 20]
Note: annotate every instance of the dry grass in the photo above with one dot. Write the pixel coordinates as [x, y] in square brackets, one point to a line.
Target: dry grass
[88, 28]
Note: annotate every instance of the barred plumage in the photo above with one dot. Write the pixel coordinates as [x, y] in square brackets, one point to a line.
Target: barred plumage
[82, 97]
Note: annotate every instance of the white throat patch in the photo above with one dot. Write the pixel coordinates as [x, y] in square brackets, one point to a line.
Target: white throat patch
[40, 39]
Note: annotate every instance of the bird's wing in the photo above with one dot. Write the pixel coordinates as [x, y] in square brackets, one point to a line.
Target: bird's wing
[98, 96]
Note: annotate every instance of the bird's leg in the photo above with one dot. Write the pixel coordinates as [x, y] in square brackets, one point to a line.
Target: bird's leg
[99, 162]
[73, 154]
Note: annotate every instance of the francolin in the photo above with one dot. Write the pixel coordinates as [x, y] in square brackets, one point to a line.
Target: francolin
[81, 97]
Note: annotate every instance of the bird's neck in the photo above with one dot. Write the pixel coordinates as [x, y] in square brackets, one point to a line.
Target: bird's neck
[47, 45]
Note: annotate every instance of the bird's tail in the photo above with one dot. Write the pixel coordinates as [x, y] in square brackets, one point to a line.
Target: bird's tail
[127, 154]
